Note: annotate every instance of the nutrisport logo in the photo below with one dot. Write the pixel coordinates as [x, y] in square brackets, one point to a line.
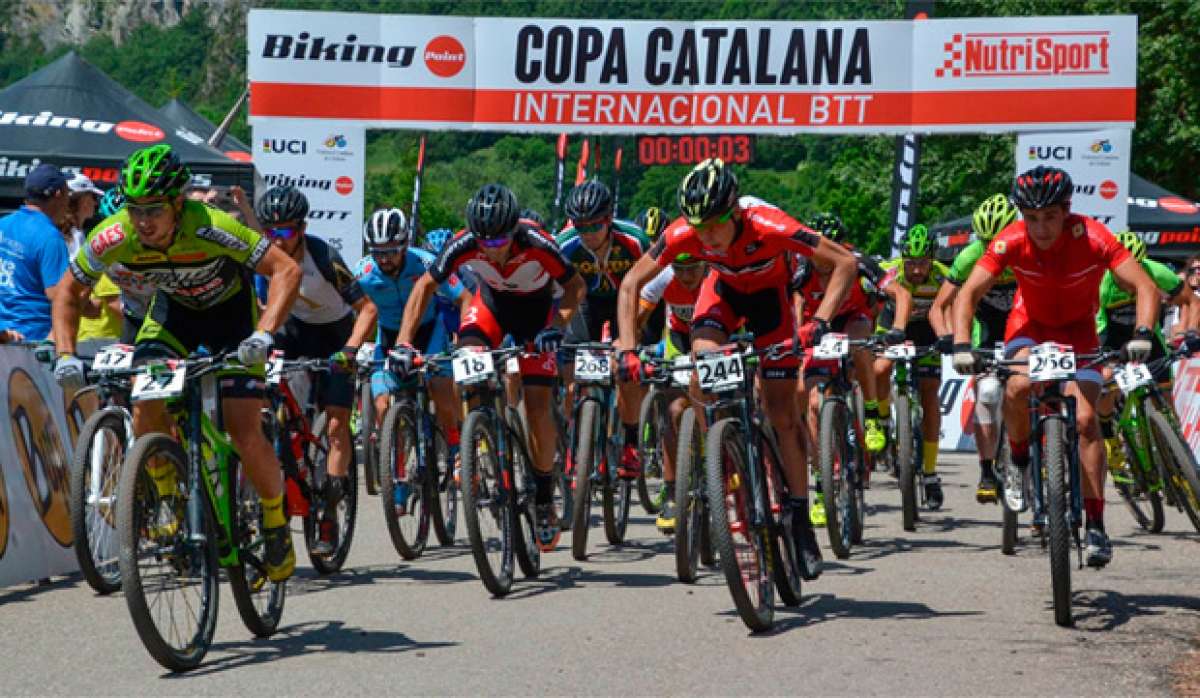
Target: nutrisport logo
[39, 446]
[1025, 54]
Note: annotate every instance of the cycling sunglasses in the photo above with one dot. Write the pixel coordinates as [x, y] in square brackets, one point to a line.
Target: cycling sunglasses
[387, 251]
[592, 227]
[283, 233]
[493, 243]
[147, 210]
[724, 217]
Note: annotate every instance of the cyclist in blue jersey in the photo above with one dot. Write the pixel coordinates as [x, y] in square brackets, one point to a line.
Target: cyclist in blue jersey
[387, 276]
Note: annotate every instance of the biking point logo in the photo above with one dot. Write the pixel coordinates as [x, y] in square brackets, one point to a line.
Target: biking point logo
[1025, 54]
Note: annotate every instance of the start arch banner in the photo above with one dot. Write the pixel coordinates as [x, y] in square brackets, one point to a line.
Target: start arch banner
[601, 76]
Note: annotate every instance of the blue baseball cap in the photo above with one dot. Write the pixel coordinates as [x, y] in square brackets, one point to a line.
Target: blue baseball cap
[44, 181]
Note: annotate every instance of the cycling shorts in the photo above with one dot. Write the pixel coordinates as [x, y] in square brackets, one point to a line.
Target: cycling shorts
[587, 324]
[174, 331]
[677, 344]
[299, 340]
[1115, 337]
[431, 338]
[1081, 336]
[494, 314]
[766, 312]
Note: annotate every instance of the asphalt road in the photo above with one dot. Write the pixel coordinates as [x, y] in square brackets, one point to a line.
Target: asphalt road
[935, 612]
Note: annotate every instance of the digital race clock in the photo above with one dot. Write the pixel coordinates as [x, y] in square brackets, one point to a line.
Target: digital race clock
[688, 150]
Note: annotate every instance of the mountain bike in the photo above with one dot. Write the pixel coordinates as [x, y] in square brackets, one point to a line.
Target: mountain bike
[497, 475]
[749, 515]
[301, 439]
[654, 429]
[1158, 459]
[417, 476]
[173, 544]
[1055, 478]
[597, 447]
[840, 452]
[905, 447]
[103, 441]
[368, 425]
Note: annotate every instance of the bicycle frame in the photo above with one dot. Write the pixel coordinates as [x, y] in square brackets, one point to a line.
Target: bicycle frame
[839, 388]
[604, 395]
[489, 398]
[209, 450]
[1052, 402]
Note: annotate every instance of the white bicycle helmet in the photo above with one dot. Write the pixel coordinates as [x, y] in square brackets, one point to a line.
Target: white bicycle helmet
[387, 227]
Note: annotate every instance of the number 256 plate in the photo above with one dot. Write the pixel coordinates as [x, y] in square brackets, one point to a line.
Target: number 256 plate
[719, 373]
[1051, 362]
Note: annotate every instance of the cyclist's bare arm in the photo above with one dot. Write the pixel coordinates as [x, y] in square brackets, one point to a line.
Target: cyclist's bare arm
[1132, 275]
[978, 283]
[629, 296]
[418, 300]
[902, 298]
[939, 313]
[284, 276]
[573, 293]
[844, 273]
[364, 321]
[64, 312]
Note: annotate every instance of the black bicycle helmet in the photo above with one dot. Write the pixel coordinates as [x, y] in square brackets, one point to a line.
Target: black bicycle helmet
[710, 189]
[830, 226]
[1041, 187]
[280, 204]
[652, 221]
[589, 201]
[532, 216]
[493, 211]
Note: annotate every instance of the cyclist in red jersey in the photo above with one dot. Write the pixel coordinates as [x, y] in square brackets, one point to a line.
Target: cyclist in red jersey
[747, 243]
[516, 268]
[1059, 259]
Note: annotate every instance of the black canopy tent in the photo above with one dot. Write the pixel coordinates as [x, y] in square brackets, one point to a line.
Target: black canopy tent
[73, 115]
[1169, 223]
[180, 114]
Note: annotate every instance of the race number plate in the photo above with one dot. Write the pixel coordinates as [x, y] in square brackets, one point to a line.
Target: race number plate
[1051, 362]
[900, 351]
[720, 373]
[592, 366]
[159, 383]
[113, 357]
[681, 377]
[1130, 377]
[832, 346]
[472, 367]
[275, 368]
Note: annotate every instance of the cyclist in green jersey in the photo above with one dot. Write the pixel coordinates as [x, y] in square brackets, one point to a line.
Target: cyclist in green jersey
[991, 316]
[1115, 323]
[201, 260]
[918, 272]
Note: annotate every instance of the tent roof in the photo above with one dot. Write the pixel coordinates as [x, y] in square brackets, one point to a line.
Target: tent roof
[180, 114]
[72, 114]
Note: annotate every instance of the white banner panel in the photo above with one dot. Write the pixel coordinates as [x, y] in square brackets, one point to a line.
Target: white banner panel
[326, 162]
[551, 75]
[35, 451]
[1098, 162]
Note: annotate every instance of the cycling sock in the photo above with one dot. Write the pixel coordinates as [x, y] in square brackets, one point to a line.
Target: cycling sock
[929, 453]
[545, 488]
[1020, 452]
[870, 408]
[272, 508]
[631, 435]
[670, 486]
[1094, 508]
[986, 465]
[885, 408]
[1106, 427]
[799, 510]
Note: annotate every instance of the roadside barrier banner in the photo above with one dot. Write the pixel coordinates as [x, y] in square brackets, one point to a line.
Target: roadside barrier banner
[990, 74]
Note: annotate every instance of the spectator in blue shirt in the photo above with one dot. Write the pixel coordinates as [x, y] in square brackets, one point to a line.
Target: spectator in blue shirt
[33, 255]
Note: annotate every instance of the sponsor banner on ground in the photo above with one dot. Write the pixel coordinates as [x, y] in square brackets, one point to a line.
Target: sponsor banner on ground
[1098, 162]
[324, 161]
[547, 75]
[35, 451]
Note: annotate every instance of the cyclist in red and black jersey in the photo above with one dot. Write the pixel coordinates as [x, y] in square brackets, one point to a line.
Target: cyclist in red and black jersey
[516, 268]
[1059, 259]
[747, 243]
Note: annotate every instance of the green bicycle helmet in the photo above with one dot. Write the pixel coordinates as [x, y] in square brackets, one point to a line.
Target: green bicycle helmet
[992, 216]
[709, 190]
[918, 243]
[111, 202]
[1132, 242]
[686, 259]
[154, 171]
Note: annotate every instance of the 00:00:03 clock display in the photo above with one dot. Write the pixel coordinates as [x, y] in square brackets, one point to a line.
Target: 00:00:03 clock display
[686, 150]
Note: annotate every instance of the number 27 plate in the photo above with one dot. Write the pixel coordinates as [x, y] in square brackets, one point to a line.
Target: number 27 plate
[718, 373]
[159, 384]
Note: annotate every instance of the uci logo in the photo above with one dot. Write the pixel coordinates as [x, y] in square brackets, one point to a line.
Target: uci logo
[40, 448]
[295, 146]
[1049, 152]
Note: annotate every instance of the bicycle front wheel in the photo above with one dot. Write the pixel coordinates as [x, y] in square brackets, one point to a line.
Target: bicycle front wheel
[744, 551]
[259, 600]
[168, 571]
[95, 476]
[652, 426]
[1139, 488]
[1178, 464]
[906, 463]
[405, 490]
[1058, 513]
[834, 458]
[585, 455]
[487, 505]
[343, 515]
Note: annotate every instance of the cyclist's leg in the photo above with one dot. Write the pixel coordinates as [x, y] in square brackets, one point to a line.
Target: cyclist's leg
[383, 382]
[441, 388]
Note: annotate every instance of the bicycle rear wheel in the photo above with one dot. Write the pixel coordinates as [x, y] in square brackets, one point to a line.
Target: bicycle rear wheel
[95, 477]
[616, 496]
[259, 600]
[692, 516]
[1058, 523]
[405, 490]
[529, 555]
[744, 549]
[834, 458]
[906, 463]
[170, 580]
[368, 435]
[1140, 489]
[784, 564]
[652, 426]
[1177, 462]
[344, 516]
[445, 503]
[487, 505]
[1009, 478]
[586, 455]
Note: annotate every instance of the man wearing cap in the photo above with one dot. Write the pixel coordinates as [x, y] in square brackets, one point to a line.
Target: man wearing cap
[33, 255]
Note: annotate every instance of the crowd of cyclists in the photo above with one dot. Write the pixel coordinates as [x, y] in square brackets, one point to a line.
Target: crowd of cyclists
[729, 272]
